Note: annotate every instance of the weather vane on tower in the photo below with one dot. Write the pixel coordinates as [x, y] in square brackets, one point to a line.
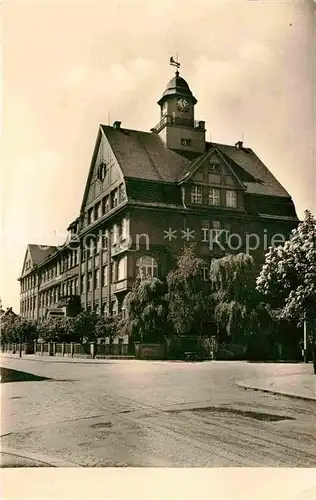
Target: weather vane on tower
[175, 63]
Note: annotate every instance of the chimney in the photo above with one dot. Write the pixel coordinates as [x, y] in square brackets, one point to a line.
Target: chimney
[239, 145]
[117, 125]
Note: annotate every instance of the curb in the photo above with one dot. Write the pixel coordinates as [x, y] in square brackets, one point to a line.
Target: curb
[49, 461]
[276, 393]
[66, 359]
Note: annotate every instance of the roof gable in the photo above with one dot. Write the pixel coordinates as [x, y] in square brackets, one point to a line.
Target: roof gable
[104, 170]
[28, 261]
[35, 255]
[213, 168]
[255, 176]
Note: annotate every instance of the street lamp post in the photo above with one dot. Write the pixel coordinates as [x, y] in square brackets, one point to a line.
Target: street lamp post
[305, 339]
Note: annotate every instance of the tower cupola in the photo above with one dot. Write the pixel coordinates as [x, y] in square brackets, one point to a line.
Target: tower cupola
[177, 127]
[177, 86]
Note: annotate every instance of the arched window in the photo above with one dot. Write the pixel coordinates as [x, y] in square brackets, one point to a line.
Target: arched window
[146, 267]
[122, 269]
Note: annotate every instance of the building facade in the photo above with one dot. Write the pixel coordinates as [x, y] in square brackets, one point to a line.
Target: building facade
[147, 195]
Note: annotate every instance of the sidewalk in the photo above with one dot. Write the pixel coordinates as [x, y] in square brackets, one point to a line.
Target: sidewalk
[65, 359]
[301, 386]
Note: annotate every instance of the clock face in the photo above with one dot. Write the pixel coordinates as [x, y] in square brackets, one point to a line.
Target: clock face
[183, 104]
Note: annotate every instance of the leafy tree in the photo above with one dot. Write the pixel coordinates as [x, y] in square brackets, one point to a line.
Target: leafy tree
[59, 329]
[18, 329]
[147, 310]
[107, 326]
[288, 276]
[85, 326]
[238, 311]
[190, 309]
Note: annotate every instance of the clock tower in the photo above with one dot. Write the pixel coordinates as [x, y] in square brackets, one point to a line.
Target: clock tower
[177, 127]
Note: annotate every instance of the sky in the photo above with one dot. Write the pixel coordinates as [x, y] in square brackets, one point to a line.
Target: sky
[69, 65]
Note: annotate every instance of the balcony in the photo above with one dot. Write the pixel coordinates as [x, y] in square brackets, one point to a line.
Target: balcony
[177, 120]
[124, 285]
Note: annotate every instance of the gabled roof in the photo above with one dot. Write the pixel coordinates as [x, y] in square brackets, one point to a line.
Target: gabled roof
[198, 162]
[7, 314]
[251, 171]
[39, 253]
[143, 155]
[93, 159]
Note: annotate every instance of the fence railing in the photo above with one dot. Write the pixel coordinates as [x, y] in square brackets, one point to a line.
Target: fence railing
[91, 350]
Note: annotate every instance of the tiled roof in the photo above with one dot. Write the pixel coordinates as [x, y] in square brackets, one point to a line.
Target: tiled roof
[40, 253]
[153, 192]
[251, 171]
[143, 155]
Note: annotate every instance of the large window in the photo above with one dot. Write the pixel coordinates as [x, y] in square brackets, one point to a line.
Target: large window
[97, 278]
[231, 199]
[114, 198]
[105, 205]
[83, 282]
[89, 282]
[122, 269]
[97, 211]
[214, 197]
[90, 215]
[99, 244]
[105, 276]
[122, 193]
[205, 229]
[115, 235]
[125, 229]
[196, 194]
[216, 228]
[146, 267]
[114, 272]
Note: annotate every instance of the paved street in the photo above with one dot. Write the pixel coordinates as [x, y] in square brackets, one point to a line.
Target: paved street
[156, 414]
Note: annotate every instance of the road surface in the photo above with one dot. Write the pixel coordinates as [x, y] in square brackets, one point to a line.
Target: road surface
[128, 413]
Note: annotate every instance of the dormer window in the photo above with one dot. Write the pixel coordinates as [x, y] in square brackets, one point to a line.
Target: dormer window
[196, 194]
[186, 142]
[214, 197]
[231, 199]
